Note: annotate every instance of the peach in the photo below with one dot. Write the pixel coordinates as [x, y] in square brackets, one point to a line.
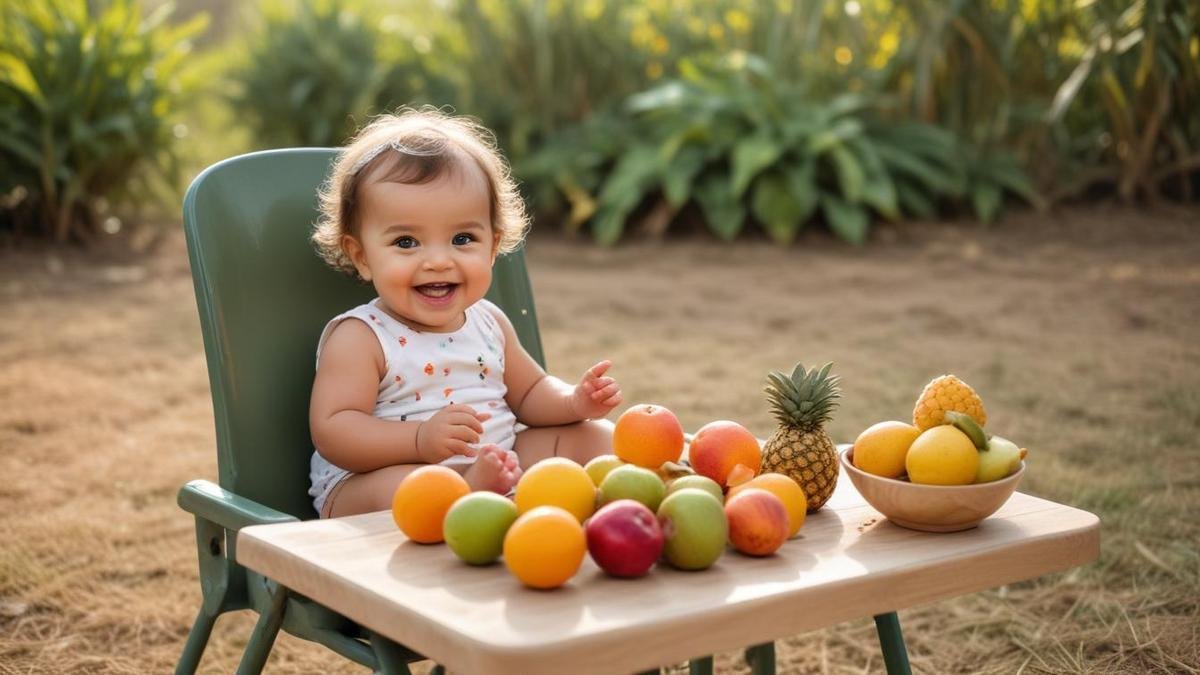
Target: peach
[648, 436]
[718, 448]
[758, 521]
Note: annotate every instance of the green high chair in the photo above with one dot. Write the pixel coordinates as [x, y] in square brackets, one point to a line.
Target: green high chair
[263, 296]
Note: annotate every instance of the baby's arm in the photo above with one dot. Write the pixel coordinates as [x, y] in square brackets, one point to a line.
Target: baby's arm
[542, 400]
[343, 400]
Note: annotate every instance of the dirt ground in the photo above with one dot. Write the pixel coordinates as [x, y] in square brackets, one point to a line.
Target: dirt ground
[1078, 329]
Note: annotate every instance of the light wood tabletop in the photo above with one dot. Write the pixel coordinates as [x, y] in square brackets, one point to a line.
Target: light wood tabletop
[847, 562]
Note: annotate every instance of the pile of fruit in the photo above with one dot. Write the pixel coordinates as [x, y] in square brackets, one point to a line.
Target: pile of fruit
[628, 510]
[945, 445]
[640, 505]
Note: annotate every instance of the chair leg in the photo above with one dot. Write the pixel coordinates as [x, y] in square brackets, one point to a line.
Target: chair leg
[701, 666]
[761, 659]
[891, 641]
[265, 630]
[197, 640]
[219, 594]
[391, 656]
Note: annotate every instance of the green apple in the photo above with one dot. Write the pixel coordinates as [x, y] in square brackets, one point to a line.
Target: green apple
[598, 467]
[475, 526]
[697, 481]
[1000, 459]
[632, 482]
[695, 528]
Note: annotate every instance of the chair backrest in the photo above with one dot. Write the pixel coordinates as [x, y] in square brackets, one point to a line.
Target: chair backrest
[264, 295]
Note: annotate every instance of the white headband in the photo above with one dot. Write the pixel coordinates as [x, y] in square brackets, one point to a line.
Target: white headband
[393, 144]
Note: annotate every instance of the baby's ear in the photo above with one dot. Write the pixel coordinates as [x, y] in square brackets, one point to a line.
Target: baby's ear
[353, 249]
[495, 246]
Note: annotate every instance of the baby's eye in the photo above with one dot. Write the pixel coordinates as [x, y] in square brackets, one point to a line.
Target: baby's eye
[462, 239]
[405, 242]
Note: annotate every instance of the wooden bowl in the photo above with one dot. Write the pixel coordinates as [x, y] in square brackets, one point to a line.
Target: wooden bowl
[931, 508]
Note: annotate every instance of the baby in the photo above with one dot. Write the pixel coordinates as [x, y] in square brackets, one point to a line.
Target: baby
[419, 205]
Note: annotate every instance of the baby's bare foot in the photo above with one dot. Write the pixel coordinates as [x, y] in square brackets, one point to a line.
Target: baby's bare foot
[494, 470]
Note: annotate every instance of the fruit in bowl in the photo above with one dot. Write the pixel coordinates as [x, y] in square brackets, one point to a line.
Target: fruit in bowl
[931, 508]
[943, 472]
[1001, 458]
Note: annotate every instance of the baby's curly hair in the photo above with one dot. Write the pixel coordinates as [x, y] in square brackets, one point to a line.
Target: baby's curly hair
[414, 146]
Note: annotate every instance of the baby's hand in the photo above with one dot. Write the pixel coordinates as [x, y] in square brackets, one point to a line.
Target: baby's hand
[450, 431]
[595, 395]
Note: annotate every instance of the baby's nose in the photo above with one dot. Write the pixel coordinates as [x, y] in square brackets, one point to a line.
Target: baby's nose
[437, 257]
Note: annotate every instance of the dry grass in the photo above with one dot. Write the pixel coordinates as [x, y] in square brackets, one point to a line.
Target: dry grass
[1078, 330]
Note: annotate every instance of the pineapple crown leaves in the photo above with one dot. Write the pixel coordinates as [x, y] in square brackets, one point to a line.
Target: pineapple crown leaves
[806, 398]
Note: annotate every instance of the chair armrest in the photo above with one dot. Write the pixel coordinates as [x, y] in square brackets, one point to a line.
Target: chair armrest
[210, 501]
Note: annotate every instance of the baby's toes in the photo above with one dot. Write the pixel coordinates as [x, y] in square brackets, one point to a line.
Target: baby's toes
[509, 478]
[491, 460]
[491, 450]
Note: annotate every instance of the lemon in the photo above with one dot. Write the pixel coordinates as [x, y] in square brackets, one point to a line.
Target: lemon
[942, 455]
[882, 447]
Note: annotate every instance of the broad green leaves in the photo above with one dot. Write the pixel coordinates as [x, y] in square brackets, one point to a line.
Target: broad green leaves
[738, 146]
[89, 93]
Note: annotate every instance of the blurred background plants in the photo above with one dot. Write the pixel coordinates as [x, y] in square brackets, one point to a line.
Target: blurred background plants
[738, 114]
[87, 101]
[737, 140]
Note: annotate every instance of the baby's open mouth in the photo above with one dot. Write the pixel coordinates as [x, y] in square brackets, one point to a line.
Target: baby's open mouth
[439, 290]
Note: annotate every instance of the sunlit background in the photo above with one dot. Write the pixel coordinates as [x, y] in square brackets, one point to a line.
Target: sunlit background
[1002, 190]
[733, 115]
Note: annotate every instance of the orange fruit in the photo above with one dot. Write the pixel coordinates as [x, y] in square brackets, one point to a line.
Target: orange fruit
[718, 447]
[788, 491]
[882, 447]
[557, 481]
[648, 435]
[544, 547]
[422, 499]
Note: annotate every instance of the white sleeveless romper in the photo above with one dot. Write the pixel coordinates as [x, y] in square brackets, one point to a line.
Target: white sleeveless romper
[427, 372]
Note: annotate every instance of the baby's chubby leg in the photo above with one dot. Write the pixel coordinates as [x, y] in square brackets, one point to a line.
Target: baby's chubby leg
[494, 470]
[367, 492]
[578, 442]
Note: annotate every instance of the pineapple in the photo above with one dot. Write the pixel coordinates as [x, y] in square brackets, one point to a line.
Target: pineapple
[800, 448]
[947, 393]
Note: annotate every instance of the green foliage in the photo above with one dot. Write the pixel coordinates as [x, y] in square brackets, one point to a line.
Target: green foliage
[528, 68]
[309, 70]
[87, 100]
[777, 112]
[313, 72]
[1135, 90]
[735, 140]
[1094, 93]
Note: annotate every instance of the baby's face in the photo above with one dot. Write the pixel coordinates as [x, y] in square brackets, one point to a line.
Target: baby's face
[428, 249]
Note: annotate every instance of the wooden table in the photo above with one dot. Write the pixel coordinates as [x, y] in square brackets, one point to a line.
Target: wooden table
[848, 562]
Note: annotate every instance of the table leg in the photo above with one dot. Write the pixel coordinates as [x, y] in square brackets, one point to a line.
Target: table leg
[891, 641]
[392, 657]
[761, 659]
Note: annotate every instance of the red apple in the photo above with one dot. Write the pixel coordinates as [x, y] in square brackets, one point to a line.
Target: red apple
[624, 538]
